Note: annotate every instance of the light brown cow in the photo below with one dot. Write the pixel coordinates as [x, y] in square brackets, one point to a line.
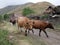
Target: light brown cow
[25, 23]
[22, 22]
[42, 25]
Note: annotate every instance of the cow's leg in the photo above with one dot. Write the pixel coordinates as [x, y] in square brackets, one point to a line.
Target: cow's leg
[18, 29]
[25, 32]
[32, 31]
[21, 29]
[40, 32]
[28, 31]
[45, 32]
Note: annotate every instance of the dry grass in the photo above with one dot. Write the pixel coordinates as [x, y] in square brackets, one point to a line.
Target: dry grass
[19, 38]
[39, 7]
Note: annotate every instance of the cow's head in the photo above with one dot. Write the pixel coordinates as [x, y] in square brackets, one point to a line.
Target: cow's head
[12, 21]
[50, 26]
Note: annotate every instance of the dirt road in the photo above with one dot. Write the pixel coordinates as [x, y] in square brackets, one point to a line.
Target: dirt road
[54, 37]
[34, 39]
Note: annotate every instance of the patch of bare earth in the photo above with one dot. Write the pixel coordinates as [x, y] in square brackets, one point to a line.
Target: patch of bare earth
[32, 39]
[19, 38]
[13, 36]
[54, 37]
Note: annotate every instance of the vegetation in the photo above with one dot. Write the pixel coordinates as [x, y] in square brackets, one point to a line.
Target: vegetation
[1, 17]
[3, 37]
[37, 7]
[44, 16]
[27, 11]
[6, 16]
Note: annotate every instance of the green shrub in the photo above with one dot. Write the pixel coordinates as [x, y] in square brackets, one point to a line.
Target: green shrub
[27, 11]
[1, 18]
[44, 16]
[3, 38]
[6, 16]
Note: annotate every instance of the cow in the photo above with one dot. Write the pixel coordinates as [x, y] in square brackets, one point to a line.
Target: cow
[42, 25]
[24, 22]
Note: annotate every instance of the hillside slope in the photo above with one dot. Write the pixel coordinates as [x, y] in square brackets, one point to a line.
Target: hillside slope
[7, 9]
[37, 7]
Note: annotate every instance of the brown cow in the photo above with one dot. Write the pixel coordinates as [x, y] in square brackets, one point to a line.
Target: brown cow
[42, 25]
[26, 23]
[23, 22]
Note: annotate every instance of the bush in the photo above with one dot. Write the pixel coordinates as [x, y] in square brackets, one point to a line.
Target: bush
[27, 11]
[44, 16]
[3, 38]
[6, 16]
[1, 18]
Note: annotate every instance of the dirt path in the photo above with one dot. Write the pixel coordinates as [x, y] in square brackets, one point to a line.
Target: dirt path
[18, 38]
[33, 39]
[54, 37]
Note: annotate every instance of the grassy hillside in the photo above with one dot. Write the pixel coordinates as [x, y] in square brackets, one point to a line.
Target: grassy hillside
[3, 37]
[12, 8]
[8, 8]
[18, 10]
[10, 35]
[37, 7]
[40, 7]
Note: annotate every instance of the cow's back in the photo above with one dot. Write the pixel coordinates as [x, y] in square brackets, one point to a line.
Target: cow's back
[22, 20]
[39, 24]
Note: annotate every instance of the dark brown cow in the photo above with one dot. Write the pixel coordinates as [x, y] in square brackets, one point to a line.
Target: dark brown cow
[13, 19]
[42, 25]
